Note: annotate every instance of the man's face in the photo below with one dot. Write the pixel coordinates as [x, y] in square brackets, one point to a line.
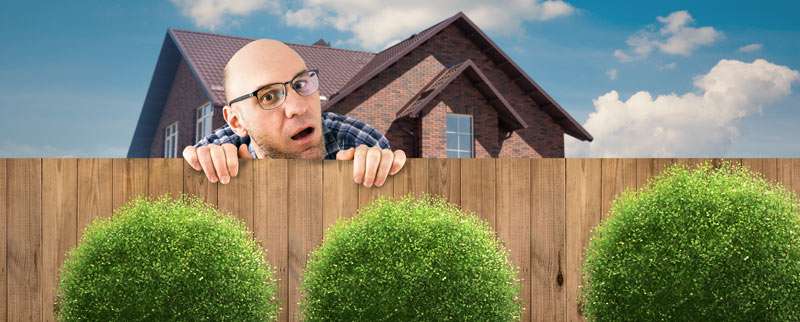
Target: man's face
[293, 129]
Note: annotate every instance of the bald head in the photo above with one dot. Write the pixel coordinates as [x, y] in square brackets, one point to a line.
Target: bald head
[258, 63]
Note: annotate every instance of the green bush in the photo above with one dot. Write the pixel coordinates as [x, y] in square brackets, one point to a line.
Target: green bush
[167, 260]
[410, 260]
[700, 244]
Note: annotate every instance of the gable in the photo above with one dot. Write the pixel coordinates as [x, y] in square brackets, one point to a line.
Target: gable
[388, 57]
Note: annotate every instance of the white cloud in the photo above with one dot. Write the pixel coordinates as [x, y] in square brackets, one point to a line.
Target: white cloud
[675, 37]
[612, 73]
[751, 48]
[212, 14]
[375, 24]
[701, 123]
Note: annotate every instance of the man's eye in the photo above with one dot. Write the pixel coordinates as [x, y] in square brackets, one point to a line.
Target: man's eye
[299, 84]
[268, 97]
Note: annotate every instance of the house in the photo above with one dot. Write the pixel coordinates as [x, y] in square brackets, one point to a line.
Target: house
[447, 91]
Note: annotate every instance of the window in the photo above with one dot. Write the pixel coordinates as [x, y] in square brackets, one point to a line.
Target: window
[204, 116]
[171, 141]
[459, 135]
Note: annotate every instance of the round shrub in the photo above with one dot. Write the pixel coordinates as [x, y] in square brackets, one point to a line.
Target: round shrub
[167, 260]
[410, 260]
[700, 244]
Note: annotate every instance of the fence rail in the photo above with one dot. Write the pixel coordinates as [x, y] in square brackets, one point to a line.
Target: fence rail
[541, 209]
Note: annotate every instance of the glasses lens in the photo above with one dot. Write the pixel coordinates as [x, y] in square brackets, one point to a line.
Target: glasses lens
[271, 97]
[306, 84]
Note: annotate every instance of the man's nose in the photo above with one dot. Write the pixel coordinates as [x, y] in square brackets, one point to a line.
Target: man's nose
[294, 104]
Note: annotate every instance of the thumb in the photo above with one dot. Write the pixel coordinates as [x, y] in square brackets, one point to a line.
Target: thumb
[244, 153]
[345, 154]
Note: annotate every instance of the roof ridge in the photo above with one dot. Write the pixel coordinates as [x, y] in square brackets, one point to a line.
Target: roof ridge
[334, 48]
[208, 33]
[245, 38]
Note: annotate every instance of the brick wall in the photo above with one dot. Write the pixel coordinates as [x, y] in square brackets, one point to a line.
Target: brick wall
[378, 101]
[184, 98]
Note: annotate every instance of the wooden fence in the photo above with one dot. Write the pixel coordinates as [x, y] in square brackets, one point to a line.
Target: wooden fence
[543, 210]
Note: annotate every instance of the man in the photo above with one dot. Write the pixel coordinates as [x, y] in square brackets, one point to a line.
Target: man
[273, 111]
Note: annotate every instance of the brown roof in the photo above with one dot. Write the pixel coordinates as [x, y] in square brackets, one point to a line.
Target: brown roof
[386, 58]
[207, 55]
[507, 114]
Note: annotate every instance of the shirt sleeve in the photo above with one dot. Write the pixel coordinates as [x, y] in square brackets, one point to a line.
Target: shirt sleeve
[223, 135]
[353, 132]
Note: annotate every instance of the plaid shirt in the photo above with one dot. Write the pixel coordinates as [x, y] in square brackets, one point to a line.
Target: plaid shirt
[340, 132]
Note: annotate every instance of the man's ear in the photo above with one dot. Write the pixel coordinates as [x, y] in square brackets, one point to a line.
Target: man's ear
[234, 120]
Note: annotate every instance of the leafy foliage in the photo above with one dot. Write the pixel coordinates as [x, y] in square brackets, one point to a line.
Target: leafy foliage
[410, 260]
[700, 244]
[167, 260]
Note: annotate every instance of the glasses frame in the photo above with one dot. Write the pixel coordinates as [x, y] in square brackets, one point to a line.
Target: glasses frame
[285, 90]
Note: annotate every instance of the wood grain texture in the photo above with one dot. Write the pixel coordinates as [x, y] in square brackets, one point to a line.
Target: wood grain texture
[305, 223]
[514, 220]
[583, 213]
[270, 221]
[340, 192]
[59, 224]
[129, 179]
[548, 240]
[3, 238]
[618, 175]
[24, 243]
[478, 188]
[195, 183]
[236, 197]
[94, 191]
[165, 177]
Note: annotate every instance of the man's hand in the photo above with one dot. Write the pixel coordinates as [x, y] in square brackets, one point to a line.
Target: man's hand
[373, 164]
[219, 162]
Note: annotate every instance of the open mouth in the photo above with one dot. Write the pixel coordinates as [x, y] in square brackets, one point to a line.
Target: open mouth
[303, 134]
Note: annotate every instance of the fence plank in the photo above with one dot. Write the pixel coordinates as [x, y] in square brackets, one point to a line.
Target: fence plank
[165, 177]
[412, 179]
[548, 298]
[129, 179]
[341, 193]
[3, 238]
[24, 239]
[270, 220]
[236, 197]
[478, 186]
[644, 170]
[305, 222]
[59, 224]
[94, 191]
[444, 179]
[195, 183]
[367, 195]
[618, 175]
[583, 212]
[513, 218]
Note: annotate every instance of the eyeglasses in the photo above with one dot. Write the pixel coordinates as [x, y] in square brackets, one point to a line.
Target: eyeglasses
[273, 95]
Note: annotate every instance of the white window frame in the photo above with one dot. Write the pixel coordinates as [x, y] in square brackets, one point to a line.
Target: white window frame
[171, 140]
[204, 116]
[459, 151]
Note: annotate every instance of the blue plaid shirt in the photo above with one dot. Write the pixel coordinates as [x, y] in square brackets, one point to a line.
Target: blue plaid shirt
[340, 132]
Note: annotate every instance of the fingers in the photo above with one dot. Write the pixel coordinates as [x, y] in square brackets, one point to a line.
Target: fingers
[190, 155]
[373, 160]
[204, 157]
[387, 157]
[398, 162]
[220, 165]
[346, 154]
[244, 153]
[231, 158]
[359, 159]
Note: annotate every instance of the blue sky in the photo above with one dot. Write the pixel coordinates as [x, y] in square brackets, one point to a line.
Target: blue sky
[73, 79]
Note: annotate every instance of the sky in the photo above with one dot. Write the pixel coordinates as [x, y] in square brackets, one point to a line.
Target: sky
[646, 79]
